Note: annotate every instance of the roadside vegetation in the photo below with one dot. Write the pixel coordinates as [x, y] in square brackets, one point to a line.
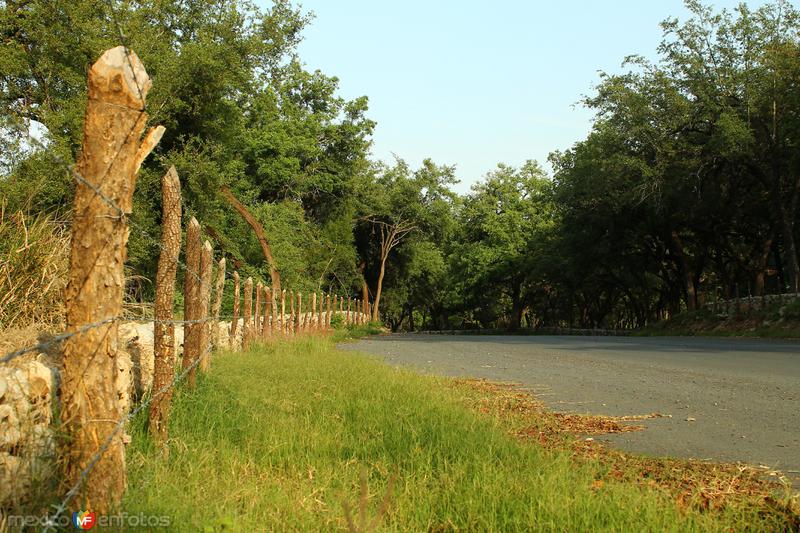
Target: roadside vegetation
[774, 320]
[302, 436]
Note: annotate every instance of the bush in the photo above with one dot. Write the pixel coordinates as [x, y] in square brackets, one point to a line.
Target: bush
[34, 258]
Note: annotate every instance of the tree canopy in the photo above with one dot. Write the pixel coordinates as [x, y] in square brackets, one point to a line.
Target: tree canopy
[684, 191]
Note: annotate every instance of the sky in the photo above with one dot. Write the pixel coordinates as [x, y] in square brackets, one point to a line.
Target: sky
[476, 83]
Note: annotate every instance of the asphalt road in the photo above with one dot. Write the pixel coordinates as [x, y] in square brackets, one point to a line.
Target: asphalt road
[730, 399]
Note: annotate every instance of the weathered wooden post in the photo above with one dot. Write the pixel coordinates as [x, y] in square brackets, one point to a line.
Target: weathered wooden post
[267, 330]
[299, 326]
[191, 298]
[163, 328]
[235, 317]
[283, 311]
[349, 314]
[313, 318]
[273, 327]
[328, 311]
[247, 327]
[111, 153]
[219, 287]
[292, 314]
[257, 313]
[206, 266]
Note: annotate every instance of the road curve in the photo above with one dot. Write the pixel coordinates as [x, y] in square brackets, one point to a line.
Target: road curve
[730, 399]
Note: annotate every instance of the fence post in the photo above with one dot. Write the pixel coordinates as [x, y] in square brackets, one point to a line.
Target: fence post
[299, 327]
[163, 328]
[111, 154]
[292, 314]
[247, 313]
[283, 311]
[219, 287]
[235, 317]
[206, 265]
[191, 298]
[313, 317]
[257, 311]
[328, 311]
[267, 330]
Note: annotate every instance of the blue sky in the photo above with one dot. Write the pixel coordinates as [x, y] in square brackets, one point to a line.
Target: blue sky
[474, 83]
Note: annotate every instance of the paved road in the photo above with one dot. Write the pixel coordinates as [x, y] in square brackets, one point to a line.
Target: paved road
[744, 395]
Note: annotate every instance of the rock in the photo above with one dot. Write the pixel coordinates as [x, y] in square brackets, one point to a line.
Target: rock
[10, 434]
[690, 419]
[138, 341]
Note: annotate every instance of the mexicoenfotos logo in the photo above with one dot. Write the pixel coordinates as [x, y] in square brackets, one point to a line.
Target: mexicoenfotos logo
[84, 520]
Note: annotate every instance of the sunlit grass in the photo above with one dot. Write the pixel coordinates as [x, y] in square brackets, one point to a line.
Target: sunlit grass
[276, 439]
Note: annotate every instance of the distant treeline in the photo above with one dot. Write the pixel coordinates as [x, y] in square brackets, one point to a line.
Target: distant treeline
[685, 191]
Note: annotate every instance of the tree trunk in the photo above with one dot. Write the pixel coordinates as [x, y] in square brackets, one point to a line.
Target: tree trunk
[163, 329]
[379, 288]
[258, 229]
[686, 271]
[761, 266]
[111, 154]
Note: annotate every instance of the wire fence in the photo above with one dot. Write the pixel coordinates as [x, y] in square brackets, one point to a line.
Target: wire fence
[252, 324]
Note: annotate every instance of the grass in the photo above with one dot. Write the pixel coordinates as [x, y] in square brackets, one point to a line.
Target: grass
[299, 436]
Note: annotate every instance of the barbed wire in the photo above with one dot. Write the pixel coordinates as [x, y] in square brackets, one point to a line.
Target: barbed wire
[44, 346]
[120, 424]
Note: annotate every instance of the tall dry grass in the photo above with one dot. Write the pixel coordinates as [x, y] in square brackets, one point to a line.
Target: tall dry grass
[34, 257]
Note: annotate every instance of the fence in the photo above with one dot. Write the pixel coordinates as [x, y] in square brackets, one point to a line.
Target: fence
[102, 363]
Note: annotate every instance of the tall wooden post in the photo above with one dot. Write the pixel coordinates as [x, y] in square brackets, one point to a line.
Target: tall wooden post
[267, 312]
[191, 298]
[247, 326]
[163, 328]
[299, 326]
[328, 312]
[219, 287]
[206, 265]
[291, 312]
[235, 317]
[283, 311]
[257, 312]
[111, 154]
[313, 317]
[349, 315]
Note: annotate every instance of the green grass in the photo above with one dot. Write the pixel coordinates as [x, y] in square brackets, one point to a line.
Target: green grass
[277, 438]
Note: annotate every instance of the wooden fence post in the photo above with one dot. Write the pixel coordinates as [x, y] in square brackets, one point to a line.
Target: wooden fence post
[328, 311]
[191, 298]
[163, 328]
[313, 317]
[283, 311]
[299, 326]
[257, 311]
[111, 153]
[292, 314]
[235, 317]
[267, 329]
[247, 328]
[206, 266]
[219, 287]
